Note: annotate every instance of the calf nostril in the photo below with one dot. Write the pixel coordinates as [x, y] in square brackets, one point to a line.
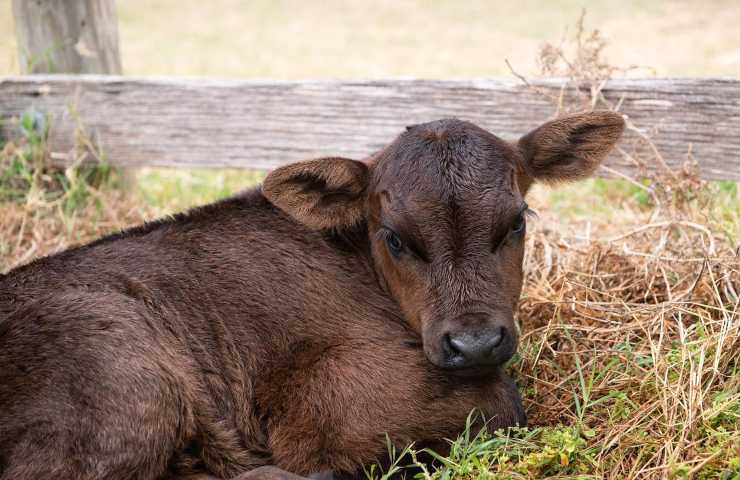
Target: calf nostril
[497, 338]
[452, 346]
[455, 345]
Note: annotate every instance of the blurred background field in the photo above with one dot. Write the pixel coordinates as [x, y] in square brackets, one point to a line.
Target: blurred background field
[629, 363]
[423, 38]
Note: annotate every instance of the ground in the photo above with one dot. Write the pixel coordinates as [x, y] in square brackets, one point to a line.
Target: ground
[630, 326]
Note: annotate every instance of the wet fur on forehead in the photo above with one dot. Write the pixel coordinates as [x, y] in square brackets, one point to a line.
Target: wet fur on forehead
[447, 158]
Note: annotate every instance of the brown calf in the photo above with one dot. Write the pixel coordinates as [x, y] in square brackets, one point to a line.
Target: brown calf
[288, 328]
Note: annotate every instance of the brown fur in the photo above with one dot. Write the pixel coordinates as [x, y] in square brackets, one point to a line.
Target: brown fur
[243, 339]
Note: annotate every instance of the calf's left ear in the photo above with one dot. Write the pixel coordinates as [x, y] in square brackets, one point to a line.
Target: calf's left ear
[327, 193]
[569, 148]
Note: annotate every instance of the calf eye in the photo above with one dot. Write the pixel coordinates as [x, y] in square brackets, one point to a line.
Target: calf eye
[519, 224]
[394, 242]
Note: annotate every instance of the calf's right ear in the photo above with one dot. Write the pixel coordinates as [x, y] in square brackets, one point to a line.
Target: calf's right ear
[327, 193]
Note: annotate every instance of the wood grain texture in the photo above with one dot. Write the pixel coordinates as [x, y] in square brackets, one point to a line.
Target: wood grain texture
[67, 36]
[254, 124]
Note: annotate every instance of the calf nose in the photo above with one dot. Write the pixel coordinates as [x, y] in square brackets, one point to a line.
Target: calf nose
[469, 349]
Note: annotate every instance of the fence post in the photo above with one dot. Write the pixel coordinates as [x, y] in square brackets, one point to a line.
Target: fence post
[67, 36]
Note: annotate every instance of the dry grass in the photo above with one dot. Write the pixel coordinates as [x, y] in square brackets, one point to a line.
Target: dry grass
[37, 228]
[633, 334]
[44, 209]
[635, 338]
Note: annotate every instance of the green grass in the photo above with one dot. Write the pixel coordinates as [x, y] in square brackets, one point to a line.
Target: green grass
[169, 190]
[577, 451]
[557, 451]
[27, 175]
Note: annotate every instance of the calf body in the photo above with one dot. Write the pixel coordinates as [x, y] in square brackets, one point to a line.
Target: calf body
[268, 329]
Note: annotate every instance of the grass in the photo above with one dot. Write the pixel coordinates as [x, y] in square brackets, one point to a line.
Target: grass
[168, 190]
[630, 345]
[45, 208]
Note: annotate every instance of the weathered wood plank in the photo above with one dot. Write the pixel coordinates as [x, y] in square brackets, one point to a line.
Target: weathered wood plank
[263, 124]
[67, 36]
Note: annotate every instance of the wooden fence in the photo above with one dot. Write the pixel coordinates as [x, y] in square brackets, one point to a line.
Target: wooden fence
[210, 123]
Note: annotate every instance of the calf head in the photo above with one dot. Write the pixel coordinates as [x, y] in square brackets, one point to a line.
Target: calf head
[445, 212]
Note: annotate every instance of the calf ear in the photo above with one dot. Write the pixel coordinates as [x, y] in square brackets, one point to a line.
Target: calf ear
[570, 147]
[321, 194]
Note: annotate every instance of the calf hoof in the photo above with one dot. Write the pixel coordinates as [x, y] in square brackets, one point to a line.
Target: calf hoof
[520, 416]
[325, 475]
[506, 408]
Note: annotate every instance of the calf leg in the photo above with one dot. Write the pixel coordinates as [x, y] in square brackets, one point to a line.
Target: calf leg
[274, 473]
[336, 414]
[264, 473]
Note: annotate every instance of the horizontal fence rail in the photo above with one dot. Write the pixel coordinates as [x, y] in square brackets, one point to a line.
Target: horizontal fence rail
[263, 124]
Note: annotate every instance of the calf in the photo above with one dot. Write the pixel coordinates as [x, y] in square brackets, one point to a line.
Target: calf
[290, 328]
